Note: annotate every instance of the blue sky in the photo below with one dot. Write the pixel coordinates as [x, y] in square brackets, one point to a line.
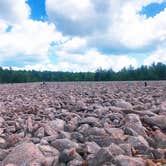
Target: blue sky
[82, 35]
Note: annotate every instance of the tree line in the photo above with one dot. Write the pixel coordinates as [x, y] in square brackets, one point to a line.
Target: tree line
[153, 72]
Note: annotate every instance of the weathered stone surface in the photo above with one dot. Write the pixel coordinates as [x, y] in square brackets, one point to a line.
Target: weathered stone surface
[91, 147]
[48, 150]
[160, 139]
[92, 121]
[24, 153]
[133, 122]
[101, 157]
[122, 160]
[3, 143]
[62, 144]
[67, 155]
[122, 104]
[158, 120]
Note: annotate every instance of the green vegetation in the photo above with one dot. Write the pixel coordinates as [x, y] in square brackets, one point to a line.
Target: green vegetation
[153, 72]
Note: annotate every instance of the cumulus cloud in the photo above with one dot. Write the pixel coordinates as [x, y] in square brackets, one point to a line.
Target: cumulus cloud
[158, 56]
[14, 11]
[30, 39]
[109, 24]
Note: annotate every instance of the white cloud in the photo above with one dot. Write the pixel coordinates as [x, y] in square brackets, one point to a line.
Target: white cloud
[119, 23]
[158, 56]
[91, 60]
[14, 11]
[29, 40]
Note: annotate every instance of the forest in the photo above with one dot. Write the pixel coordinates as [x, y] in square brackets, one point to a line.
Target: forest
[152, 72]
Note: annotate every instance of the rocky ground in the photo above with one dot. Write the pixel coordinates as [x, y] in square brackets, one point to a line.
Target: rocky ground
[81, 124]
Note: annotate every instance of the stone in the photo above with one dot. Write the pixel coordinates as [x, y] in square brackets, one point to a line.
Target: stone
[91, 147]
[62, 144]
[160, 139]
[24, 153]
[92, 121]
[115, 132]
[122, 160]
[139, 144]
[133, 122]
[116, 150]
[95, 131]
[122, 104]
[30, 124]
[2, 121]
[57, 123]
[158, 120]
[67, 155]
[40, 132]
[101, 157]
[48, 150]
[77, 136]
[75, 163]
[3, 153]
[3, 143]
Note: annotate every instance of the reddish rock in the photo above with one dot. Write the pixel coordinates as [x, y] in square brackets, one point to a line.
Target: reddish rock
[122, 160]
[24, 153]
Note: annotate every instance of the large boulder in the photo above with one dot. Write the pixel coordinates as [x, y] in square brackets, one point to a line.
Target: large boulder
[133, 122]
[158, 120]
[24, 154]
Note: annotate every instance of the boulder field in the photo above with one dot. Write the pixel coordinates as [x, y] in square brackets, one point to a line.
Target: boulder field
[83, 124]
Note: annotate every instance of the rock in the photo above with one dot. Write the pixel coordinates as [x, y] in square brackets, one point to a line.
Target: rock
[48, 151]
[95, 131]
[3, 153]
[40, 132]
[3, 143]
[13, 139]
[160, 139]
[139, 143]
[35, 140]
[116, 150]
[30, 124]
[122, 160]
[75, 163]
[2, 121]
[163, 106]
[67, 155]
[115, 132]
[127, 148]
[158, 120]
[92, 121]
[102, 141]
[24, 153]
[1, 131]
[130, 131]
[57, 123]
[78, 137]
[133, 122]
[122, 104]
[91, 147]
[101, 157]
[62, 144]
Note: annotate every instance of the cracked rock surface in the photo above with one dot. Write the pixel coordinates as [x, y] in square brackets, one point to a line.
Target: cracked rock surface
[83, 124]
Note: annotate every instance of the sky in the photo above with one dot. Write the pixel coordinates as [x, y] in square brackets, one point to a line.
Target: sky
[82, 35]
